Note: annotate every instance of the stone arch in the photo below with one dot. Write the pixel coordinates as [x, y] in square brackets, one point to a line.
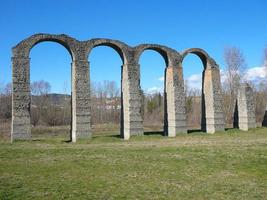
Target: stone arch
[165, 52]
[203, 55]
[123, 51]
[172, 88]
[131, 119]
[24, 47]
[21, 127]
[212, 118]
[120, 47]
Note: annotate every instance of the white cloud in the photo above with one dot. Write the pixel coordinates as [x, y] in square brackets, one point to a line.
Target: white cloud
[195, 77]
[256, 73]
[154, 90]
[161, 78]
[194, 81]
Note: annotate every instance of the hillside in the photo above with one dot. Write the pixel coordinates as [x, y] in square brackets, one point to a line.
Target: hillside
[55, 99]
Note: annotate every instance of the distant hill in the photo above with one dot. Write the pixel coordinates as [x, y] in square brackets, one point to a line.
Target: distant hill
[56, 99]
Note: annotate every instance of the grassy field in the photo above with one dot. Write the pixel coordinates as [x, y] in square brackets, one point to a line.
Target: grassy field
[226, 165]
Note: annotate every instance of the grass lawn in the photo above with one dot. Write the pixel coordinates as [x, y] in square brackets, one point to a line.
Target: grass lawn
[225, 165]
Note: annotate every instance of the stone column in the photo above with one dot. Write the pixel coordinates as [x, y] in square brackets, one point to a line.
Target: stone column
[175, 113]
[81, 115]
[212, 100]
[21, 98]
[131, 120]
[246, 108]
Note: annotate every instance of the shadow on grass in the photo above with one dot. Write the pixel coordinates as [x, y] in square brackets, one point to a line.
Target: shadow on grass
[199, 131]
[114, 136]
[67, 141]
[194, 131]
[154, 133]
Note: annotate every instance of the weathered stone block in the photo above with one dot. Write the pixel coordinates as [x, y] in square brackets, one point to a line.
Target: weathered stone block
[212, 111]
[246, 107]
[175, 102]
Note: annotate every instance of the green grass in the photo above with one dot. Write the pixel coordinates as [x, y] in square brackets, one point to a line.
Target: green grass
[225, 165]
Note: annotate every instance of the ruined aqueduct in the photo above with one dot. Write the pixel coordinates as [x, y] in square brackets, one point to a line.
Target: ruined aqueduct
[131, 120]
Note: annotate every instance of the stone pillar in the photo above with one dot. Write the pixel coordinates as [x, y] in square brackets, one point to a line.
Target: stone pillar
[246, 108]
[21, 98]
[81, 115]
[131, 120]
[212, 100]
[264, 122]
[175, 116]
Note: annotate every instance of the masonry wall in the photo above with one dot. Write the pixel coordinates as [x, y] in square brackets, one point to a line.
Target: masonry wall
[131, 120]
[21, 125]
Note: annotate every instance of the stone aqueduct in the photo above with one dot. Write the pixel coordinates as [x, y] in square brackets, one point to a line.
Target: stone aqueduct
[131, 120]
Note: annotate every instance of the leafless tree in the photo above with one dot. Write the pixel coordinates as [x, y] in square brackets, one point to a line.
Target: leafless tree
[40, 90]
[105, 97]
[193, 108]
[235, 69]
[5, 101]
[66, 106]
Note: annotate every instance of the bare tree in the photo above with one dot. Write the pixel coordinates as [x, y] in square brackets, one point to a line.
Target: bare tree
[8, 89]
[235, 69]
[193, 108]
[6, 101]
[105, 97]
[40, 90]
[66, 106]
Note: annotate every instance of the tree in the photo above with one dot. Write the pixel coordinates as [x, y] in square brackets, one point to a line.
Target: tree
[235, 70]
[6, 101]
[66, 118]
[40, 90]
[193, 107]
[105, 97]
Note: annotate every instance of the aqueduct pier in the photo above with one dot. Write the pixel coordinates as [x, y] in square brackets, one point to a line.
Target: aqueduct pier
[131, 120]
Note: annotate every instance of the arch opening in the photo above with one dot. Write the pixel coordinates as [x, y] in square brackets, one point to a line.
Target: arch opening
[53, 40]
[115, 48]
[51, 111]
[200, 53]
[152, 83]
[105, 89]
[119, 47]
[193, 69]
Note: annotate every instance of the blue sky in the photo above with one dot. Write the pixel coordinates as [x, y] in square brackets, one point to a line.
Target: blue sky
[211, 25]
